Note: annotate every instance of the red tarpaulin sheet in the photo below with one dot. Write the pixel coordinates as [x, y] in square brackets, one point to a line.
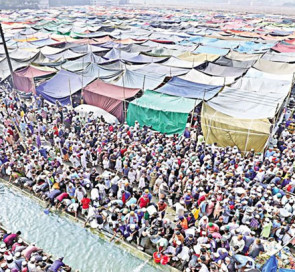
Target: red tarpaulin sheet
[108, 97]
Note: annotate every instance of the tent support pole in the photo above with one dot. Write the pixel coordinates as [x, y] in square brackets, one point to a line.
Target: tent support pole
[82, 100]
[70, 94]
[7, 54]
[193, 113]
[143, 84]
[124, 102]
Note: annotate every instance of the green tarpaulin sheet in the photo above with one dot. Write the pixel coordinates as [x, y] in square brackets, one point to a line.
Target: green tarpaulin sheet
[165, 113]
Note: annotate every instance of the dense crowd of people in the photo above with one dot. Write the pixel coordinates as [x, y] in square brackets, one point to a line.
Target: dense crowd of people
[229, 207]
[17, 256]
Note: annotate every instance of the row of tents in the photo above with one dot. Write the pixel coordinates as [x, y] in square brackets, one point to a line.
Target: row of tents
[162, 72]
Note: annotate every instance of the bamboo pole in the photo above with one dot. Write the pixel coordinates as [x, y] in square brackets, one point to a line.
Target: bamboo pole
[70, 94]
[7, 54]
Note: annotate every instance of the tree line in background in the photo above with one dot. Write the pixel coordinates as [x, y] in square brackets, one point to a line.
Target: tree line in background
[19, 4]
[34, 4]
[54, 3]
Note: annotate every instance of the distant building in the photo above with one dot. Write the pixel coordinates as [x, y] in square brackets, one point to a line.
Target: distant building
[109, 2]
[43, 4]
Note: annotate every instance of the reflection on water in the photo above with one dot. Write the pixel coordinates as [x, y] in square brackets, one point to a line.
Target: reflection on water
[59, 236]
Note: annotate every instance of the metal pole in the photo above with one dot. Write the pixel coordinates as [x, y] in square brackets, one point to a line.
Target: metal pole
[124, 102]
[193, 113]
[82, 100]
[143, 83]
[71, 99]
[7, 54]
[120, 56]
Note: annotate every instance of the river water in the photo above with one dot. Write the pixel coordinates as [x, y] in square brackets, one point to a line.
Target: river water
[60, 236]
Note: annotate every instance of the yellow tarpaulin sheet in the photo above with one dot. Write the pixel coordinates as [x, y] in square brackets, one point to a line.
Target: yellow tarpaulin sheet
[198, 58]
[278, 68]
[226, 130]
[242, 56]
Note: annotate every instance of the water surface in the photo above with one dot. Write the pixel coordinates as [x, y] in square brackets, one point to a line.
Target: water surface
[60, 236]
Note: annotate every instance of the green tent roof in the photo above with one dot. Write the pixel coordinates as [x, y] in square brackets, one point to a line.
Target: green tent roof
[162, 102]
[165, 113]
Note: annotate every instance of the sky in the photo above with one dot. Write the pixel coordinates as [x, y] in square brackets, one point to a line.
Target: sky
[265, 2]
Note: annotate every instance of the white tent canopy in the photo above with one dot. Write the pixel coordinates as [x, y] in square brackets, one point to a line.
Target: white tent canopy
[243, 104]
[254, 73]
[263, 85]
[199, 77]
[84, 111]
[278, 68]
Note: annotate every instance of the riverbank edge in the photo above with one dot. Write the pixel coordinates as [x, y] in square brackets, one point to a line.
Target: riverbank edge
[27, 243]
[102, 234]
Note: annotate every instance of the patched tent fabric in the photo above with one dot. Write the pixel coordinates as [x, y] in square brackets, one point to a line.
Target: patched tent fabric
[198, 58]
[279, 57]
[144, 59]
[136, 80]
[74, 66]
[4, 70]
[284, 48]
[159, 69]
[48, 50]
[272, 67]
[247, 105]
[87, 48]
[179, 63]
[222, 71]
[108, 97]
[226, 130]
[211, 50]
[183, 88]
[242, 56]
[254, 73]
[62, 86]
[254, 47]
[67, 54]
[164, 52]
[263, 85]
[43, 42]
[199, 77]
[91, 57]
[115, 54]
[96, 71]
[23, 79]
[224, 61]
[165, 113]
[23, 55]
[42, 60]
[135, 48]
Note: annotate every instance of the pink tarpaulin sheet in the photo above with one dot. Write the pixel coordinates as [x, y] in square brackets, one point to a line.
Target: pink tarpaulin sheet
[284, 48]
[24, 79]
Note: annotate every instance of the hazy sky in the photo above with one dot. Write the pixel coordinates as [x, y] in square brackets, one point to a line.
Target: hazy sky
[265, 2]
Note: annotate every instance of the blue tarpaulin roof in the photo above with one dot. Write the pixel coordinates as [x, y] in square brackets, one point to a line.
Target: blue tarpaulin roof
[144, 59]
[62, 85]
[132, 57]
[200, 39]
[183, 88]
[137, 80]
[254, 47]
[44, 42]
[211, 50]
[222, 43]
